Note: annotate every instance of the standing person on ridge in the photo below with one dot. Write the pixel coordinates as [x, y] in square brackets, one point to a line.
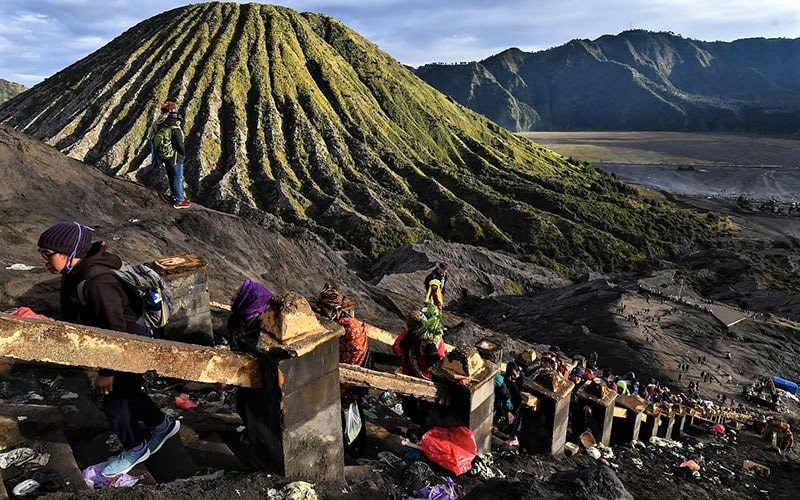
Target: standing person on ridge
[167, 107]
[168, 145]
[67, 249]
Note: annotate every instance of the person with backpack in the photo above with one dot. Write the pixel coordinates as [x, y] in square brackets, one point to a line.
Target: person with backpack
[167, 107]
[169, 147]
[67, 249]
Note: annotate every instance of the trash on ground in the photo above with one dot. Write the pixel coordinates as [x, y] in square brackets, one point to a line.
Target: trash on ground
[19, 267]
[298, 490]
[446, 491]
[453, 448]
[95, 479]
[756, 467]
[25, 487]
[184, 403]
[691, 465]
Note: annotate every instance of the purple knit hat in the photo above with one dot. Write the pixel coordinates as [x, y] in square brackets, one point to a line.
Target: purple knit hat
[68, 238]
[252, 300]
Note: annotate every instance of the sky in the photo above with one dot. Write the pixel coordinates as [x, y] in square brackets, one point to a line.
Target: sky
[38, 38]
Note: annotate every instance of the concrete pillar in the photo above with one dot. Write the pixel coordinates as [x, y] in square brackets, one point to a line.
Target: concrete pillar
[651, 420]
[294, 423]
[596, 402]
[187, 277]
[627, 419]
[681, 417]
[471, 392]
[666, 425]
[544, 426]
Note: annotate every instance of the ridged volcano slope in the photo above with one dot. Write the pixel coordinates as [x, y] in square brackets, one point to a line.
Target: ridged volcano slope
[299, 116]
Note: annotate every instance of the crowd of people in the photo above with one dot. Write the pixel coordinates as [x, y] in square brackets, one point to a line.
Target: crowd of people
[93, 295]
[67, 249]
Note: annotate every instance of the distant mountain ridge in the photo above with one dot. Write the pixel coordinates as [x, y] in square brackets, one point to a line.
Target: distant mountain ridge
[298, 118]
[637, 80]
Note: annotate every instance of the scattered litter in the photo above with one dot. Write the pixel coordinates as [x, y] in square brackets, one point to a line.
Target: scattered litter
[593, 452]
[22, 418]
[691, 465]
[392, 459]
[398, 409]
[446, 491]
[21, 456]
[69, 395]
[184, 403]
[756, 467]
[241, 428]
[19, 267]
[133, 221]
[482, 467]
[665, 443]
[32, 396]
[25, 487]
[204, 477]
[370, 414]
[93, 477]
[638, 463]
[453, 448]
[718, 428]
[298, 490]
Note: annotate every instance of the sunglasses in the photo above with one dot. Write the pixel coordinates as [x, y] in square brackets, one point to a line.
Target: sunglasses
[46, 253]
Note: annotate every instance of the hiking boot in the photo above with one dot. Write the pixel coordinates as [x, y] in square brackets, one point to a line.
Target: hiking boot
[125, 461]
[158, 438]
[182, 204]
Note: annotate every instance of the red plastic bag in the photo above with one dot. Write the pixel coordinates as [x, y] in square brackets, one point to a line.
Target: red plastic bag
[184, 403]
[718, 428]
[453, 448]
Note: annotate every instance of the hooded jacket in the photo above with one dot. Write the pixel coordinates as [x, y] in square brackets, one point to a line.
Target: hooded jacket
[107, 305]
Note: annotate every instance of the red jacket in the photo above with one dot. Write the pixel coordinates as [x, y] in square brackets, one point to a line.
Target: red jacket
[415, 363]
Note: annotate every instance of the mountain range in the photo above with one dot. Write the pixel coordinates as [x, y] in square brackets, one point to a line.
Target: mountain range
[636, 80]
[299, 119]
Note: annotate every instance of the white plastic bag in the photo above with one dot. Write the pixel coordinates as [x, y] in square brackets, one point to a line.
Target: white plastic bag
[352, 422]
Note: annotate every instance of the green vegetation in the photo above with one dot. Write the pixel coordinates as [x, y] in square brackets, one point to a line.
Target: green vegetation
[300, 116]
[9, 90]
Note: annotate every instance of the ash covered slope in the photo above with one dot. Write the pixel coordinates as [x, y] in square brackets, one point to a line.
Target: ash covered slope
[42, 186]
[299, 116]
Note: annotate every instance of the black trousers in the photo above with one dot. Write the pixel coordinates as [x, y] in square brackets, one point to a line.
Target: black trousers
[127, 405]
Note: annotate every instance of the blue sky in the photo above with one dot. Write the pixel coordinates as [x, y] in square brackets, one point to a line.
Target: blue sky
[40, 37]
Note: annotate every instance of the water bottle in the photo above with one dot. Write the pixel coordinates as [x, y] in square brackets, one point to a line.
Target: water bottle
[153, 300]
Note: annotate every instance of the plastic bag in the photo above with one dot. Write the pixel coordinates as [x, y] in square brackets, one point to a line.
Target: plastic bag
[453, 448]
[352, 423]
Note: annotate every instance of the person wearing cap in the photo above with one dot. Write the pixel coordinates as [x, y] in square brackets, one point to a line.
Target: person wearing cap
[67, 249]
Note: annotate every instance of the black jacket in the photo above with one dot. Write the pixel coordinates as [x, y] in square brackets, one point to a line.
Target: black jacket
[107, 305]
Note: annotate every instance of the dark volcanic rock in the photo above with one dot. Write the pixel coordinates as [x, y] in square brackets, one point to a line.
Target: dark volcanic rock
[593, 483]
